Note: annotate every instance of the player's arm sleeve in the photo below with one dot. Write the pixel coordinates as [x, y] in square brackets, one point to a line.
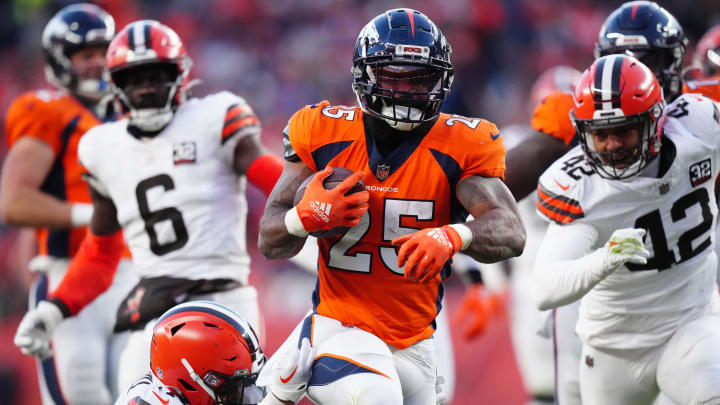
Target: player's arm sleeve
[703, 118]
[32, 117]
[487, 158]
[90, 273]
[86, 152]
[566, 268]
[552, 117]
[554, 207]
[297, 137]
[239, 122]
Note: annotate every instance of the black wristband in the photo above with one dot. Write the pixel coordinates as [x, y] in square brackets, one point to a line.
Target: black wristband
[63, 308]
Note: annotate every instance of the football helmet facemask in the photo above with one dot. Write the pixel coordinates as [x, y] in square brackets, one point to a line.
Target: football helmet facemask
[651, 34]
[149, 68]
[76, 27]
[618, 95]
[401, 69]
[207, 353]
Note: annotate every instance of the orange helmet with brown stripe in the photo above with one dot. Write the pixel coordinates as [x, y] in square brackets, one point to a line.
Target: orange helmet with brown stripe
[618, 93]
[207, 353]
[149, 68]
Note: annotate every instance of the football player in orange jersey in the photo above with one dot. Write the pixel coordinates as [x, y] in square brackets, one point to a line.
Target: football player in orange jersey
[41, 188]
[381, 282]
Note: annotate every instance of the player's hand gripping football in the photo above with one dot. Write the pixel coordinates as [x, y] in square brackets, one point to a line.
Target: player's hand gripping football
[292, 373]
[36, 329]
[425, 252]
[480, 306]
[625, 245]
[321, 209]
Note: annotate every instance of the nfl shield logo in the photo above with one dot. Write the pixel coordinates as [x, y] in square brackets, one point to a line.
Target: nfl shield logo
[382, 172]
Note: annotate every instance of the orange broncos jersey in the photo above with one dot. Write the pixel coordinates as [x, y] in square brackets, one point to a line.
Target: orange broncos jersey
[59, 120]
[552, 117]
[412, 188]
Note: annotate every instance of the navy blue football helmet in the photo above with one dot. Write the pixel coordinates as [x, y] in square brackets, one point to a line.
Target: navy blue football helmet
[71, 29]
[651, 34]
[401, 68]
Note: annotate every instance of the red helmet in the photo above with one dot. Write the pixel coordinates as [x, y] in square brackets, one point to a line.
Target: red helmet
[141, 45]
[618, 91]
[556, 78]
[206, 352]
[707, 54]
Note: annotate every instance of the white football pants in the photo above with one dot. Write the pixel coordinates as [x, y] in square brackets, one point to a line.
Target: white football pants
[85, 349]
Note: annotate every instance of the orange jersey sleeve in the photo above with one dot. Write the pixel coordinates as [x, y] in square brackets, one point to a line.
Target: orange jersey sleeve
[34, 114]
[299, 133]
[552, 117]
[488, 158]
[709, 88]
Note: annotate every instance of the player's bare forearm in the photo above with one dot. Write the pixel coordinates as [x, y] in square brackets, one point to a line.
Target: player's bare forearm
[22, 203]
[247, 150]
[498, 232]
[33, 208]
[274, 240]
[528, 160]
[104, 220]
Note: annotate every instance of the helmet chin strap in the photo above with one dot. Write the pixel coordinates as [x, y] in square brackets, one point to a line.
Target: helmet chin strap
[195, 377]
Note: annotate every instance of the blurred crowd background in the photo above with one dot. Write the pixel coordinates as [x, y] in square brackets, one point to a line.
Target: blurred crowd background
[283, 54]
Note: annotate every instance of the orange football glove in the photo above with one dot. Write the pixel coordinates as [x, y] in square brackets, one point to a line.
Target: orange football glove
[480, 306]
[322, 209]
[425, 252]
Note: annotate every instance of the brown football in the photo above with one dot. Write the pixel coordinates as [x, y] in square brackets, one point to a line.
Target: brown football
[336, 177]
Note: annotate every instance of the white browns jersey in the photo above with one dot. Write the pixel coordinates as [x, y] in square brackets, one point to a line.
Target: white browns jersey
[148, 391]
[179, 201]
[642, 305]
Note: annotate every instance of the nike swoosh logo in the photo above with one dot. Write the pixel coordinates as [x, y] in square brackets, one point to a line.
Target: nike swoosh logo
[496, 136]
[164, 401]
[285, 380]
[561, 186]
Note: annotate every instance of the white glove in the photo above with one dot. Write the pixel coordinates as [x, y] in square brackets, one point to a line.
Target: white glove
[292, 372]
[41, 264]
[36, 329]
[440, 395]
[625, 245]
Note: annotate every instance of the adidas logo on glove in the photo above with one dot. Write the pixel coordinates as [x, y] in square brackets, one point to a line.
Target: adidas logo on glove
[439, 235]
[321, 209]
